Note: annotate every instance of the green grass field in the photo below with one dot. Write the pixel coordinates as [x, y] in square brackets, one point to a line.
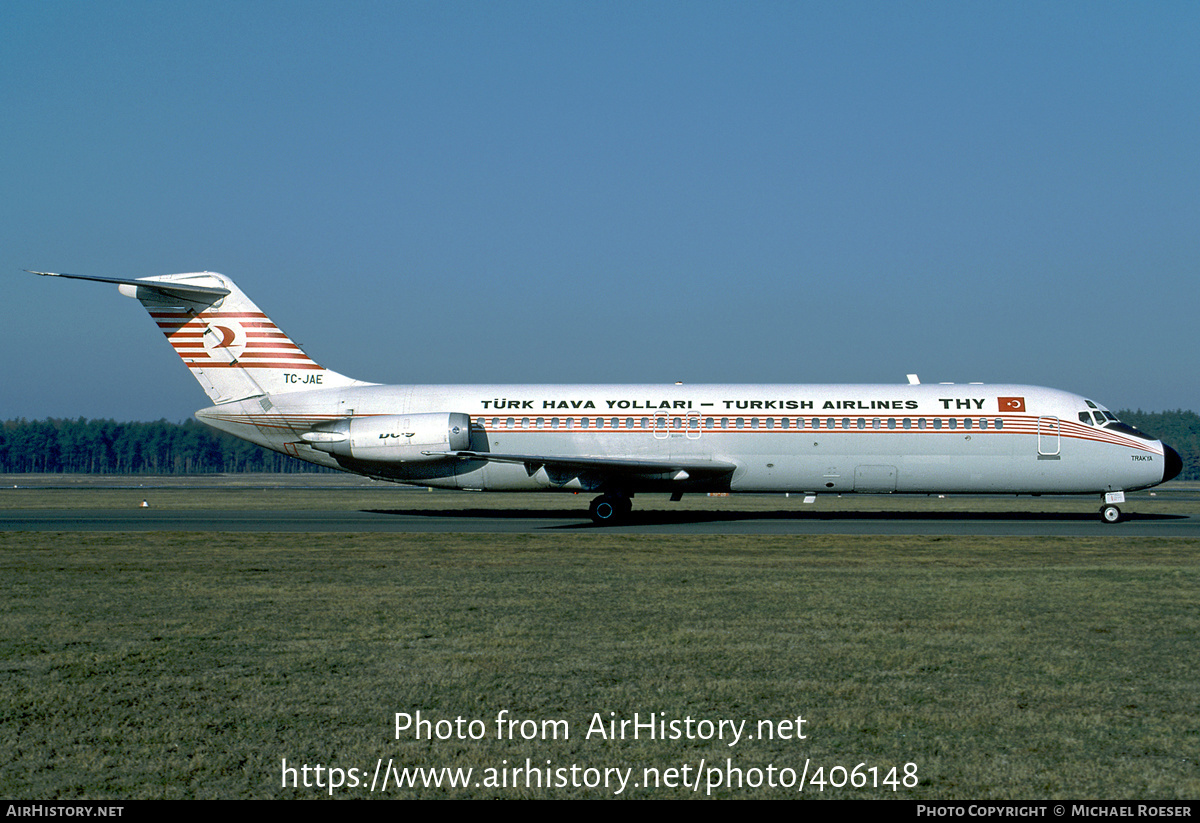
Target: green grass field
[192, 666]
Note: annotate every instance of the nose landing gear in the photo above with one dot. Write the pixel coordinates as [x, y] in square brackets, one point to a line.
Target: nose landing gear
[1109, 513]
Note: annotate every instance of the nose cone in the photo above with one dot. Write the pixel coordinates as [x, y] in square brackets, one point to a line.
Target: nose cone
[1172, 464]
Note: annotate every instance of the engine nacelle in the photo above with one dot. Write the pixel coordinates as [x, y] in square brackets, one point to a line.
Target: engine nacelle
[393, 438]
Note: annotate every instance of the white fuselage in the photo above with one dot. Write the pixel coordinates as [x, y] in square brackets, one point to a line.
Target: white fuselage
[961, 438]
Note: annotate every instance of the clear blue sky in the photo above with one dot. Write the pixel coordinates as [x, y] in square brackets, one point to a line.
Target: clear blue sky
[608, 191]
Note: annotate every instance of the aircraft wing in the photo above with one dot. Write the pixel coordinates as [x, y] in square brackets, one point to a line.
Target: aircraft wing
[682, 468]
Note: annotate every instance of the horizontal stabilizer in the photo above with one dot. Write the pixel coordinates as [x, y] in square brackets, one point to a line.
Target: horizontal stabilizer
[186, 291]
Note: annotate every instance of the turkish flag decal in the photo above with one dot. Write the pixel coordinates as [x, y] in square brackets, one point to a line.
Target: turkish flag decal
[1011, 404]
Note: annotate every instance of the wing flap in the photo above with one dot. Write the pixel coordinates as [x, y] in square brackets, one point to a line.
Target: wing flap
[619, 465]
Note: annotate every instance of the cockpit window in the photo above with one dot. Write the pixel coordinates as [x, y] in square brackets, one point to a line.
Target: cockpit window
[1108, 420]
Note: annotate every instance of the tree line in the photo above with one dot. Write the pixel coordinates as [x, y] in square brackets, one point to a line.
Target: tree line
[107, 447]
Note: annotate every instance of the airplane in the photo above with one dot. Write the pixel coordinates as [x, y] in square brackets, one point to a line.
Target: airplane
[621, 440]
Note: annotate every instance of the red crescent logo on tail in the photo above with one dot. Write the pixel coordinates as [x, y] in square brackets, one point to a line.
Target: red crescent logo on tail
[227, 336]
[224, 341]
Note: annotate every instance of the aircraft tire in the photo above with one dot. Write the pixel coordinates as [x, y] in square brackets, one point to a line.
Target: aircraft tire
[1110, 514]
[608, 509]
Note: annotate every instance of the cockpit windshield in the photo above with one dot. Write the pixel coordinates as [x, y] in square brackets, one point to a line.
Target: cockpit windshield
[1102, 417]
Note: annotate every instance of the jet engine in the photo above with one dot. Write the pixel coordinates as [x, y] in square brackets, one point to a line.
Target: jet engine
[392, 438]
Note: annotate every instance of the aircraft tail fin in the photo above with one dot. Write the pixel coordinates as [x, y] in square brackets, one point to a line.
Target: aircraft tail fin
[231, 347]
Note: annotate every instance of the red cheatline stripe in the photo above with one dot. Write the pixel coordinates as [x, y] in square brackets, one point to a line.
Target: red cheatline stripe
[271, 327]
[191, 340]
[255, 356]
[271, 344]
[193, 350]
[278, 354]
[1027, 427]
[216, 364]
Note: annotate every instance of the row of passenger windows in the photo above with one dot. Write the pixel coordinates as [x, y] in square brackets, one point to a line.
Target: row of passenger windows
[694, 423]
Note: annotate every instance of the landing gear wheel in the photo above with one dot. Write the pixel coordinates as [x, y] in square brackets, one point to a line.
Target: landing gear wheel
[1110, 514]
[608, 509]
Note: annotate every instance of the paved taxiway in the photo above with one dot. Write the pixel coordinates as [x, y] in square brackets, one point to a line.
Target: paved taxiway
[345, 503]
[518, 521]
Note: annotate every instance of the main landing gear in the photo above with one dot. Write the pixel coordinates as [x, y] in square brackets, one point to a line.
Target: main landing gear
[610, 508]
